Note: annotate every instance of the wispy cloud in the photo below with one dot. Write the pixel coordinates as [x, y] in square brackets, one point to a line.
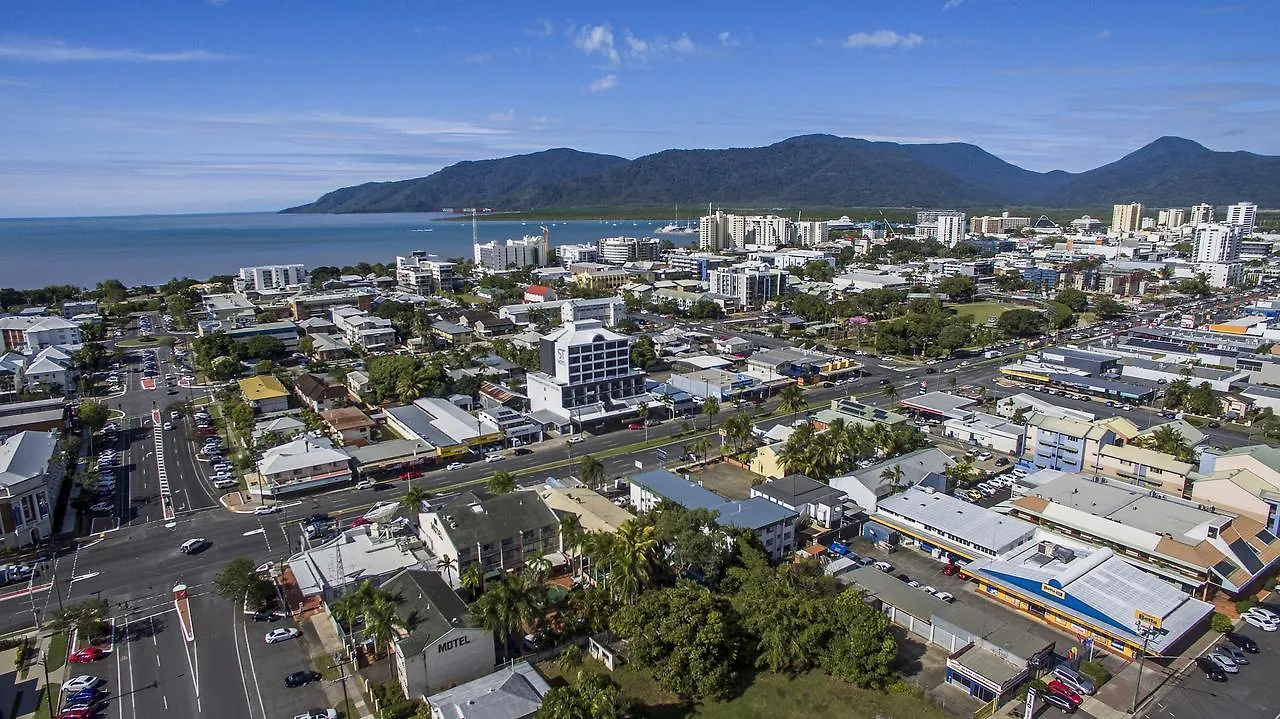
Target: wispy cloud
[478, 58]
[608, 82]
[728, 40]
[507, 116]
[1104, 34]
[952, 4]
[882, 39]
[57, 51]
[542, 28]
[597, 40]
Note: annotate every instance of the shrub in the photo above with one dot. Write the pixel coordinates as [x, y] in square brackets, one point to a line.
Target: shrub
[1221, 622]
[1096, 672]
[1245, 605]
[1038, 685]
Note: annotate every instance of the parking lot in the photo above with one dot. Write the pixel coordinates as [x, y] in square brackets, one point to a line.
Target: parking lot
[1252, 693]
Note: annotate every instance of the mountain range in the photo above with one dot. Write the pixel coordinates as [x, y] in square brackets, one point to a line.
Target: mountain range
[820, 171]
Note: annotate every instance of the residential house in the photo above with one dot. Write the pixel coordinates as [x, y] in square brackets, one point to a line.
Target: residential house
[318, 393]
[871, 484]
[820, 503]
[452, 333]
[348, 426]
[264, 393]
[513, 692]
[1145, 467]
[284, 428]
[304, 464]
[370, 332]
[539, 293]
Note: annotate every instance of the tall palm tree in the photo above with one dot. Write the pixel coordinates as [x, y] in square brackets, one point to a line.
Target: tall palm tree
[737, 430]
[446, 565]
[890, 391]
[347, 609]
[634, 560]
[409, 387]
[591, 472]
[796, 455]
[412, 501]
[536, 567]
[792, 400]
[502, 483]
[702, 447]
[711, 408]
[381, 622]
[509, 606]
[571, 538]
[642, 414]
[472, 579]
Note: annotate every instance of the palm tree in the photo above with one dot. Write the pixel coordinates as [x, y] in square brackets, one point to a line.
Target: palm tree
[893, 475]
[412, 502]
[536, 567]
[509, 606]
[381, 622]
[347, 610]
[701, 447]
[634, 560]
[890, 391]
[472, 579]
[446, 564]
[737, 430]
[711, 408]
[502, 483]
[642, 414]
[792, 400]
[409, 387]
[796, 455]
[591, 472]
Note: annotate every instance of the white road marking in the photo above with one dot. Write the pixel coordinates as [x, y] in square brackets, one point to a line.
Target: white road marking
[251, 532]
[90, 575]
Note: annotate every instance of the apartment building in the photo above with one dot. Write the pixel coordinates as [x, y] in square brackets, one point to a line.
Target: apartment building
[498, 534]
[609, 310]
[528, 251]
[1201, 214]
[945, 226]
[586, 376]
[362, 329]
[1065, 444]
[31, 475]
[437, 644]
[810, 232]
[599, 276]
[573, 254]
[1126, 218]
[34, 333]
[1217, 242]
[1000, 225]
[1243, 215]
[321, 304]
[751, 284]
[421, 274]
[621, 250]
[271, 277]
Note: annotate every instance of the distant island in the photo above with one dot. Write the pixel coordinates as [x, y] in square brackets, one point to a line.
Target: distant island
[811, 171]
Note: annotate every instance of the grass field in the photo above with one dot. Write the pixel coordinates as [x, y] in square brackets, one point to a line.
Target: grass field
[982, 311]
[770, 696]
[57, 651]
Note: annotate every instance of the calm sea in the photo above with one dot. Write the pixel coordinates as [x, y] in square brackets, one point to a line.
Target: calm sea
[152, 249]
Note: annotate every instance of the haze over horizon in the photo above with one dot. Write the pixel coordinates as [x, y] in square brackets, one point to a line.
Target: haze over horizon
[229, 105]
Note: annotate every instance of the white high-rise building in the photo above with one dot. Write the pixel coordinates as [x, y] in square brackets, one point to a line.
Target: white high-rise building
[1126, 218]
[585, 376]
[713, 231]
[950, 228]
[1217, 242]
[719, 231]
[750, 283]
[621, 250]
[270, 277]
[573, 254]
[1201, 214]
[1172, 218]
[529, 251]
[418, 273]
[811, 232]
[1243, 215]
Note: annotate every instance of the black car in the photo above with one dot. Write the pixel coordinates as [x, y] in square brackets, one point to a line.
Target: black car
[903, 578]
[518, 451]
[1059, 701]
[264, 615]
[1211, 670]
[1243, 642]
[317, 519]
[298, 679]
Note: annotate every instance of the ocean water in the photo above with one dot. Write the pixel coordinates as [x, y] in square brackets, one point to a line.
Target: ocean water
[151, 249]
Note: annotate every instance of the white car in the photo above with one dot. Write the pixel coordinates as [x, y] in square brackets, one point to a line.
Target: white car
[84, 681]
[495, 457]
[576, 439]
[174, 415]
[928, 590]
[284, 634]
[945, 596]
[366, 484]
[884, 567]
[168, 426]
[191, 546]
[266, 509]
[319, 714]
[102, 507]
[1260, 622]
[1264, 612]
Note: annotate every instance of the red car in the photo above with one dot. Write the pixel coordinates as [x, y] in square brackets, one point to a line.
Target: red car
[1064, 691]
[412, 474]
[635, 425]
[78, 713]
[86, 655]
[951, 569]
[359, 522]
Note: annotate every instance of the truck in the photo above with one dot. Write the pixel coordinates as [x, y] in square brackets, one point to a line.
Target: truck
[992, 353]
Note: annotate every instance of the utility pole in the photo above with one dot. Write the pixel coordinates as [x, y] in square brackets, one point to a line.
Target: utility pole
[1145, 630]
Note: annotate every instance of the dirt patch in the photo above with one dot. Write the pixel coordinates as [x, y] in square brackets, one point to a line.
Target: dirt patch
[726, 480]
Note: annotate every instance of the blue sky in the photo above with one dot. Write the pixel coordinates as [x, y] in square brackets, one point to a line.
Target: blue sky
[113, 107]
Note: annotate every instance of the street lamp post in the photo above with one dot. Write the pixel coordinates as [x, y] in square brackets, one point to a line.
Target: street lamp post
[1146, 630]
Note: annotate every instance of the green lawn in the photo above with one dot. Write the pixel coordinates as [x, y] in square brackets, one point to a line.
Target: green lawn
[57, 651]
[770, 696]
[981, 311]
[42, 709]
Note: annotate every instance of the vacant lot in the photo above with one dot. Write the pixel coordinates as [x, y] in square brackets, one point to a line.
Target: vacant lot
[726, 480]
[982, 311]
[770, 696]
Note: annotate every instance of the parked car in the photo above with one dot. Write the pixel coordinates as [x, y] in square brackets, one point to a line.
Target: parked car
[266, 509]
[1059, 701]
[947, 597]
[1226, 663]
[264, 615]
[1211, 670]
[297, 679]
[576, 439]
[1236, 654]
[319, 714]
[1244, 642]
[366, 484]
[1260, 621]
[1078, 682]
[1063, 690]
[84, 681]
[284, 634]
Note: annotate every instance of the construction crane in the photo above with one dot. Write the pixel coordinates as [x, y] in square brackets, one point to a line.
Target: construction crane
[888, 227]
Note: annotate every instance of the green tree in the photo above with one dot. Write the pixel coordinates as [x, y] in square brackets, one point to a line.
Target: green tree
[92, 414]
[264, 347]
[791, 400]
[689, 540]
[591, 696]
[862, 650]
[958, 287]
[1021, 323]
[591, 472]
[710, 407]
[239, 581]
[1074, 299]
[959, 473]
[508, 606]
[1106, 308]
[472, 578]
[1166, 439]
[686, 637]
[783, 611]
[890, 390]
[1061, 317]
[502, 482]
[223, 368]
[412, 501]
[381, 623]
[643, 353]
[88, 619]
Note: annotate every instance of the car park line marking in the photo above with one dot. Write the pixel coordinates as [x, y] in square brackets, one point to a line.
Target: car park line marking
[90, 575]
[251, 532]
[253, 670]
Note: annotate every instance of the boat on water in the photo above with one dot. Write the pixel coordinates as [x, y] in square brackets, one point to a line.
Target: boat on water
[675, 228]
[424, 229]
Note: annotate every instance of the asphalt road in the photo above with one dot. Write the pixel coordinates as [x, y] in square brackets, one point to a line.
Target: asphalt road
[1253, 693]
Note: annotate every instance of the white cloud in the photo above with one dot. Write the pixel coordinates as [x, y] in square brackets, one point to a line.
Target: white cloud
[478, 58]
[952, 4]
[507, 116]
[882, 39]
[1104, 34]
[683, 45]
[542, 28]
[597, 40]
[56, 51]
[636, 46]
[728, 40]
[608, 82]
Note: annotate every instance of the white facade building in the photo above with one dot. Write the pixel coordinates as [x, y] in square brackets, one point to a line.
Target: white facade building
[31, 473]
[422, 275]
[1201, 214]
[270, 277]
[36, 333]
[608, 310]
[1217, 242]
[1243, 215]
[1221, 274]
[586, 375]
[811, 232]
[529, 251]
[621, 250]
[750, 283]
[362, 329]
[573, 254]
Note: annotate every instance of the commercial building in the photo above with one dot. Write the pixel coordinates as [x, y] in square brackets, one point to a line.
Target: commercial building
[599, 277]
[231, 309]
[321, 304]
[573, 254]
[356, 555]
[944, 526]
[787, 363]
[35, 415]
[851, 411]
[1243, 215]
[586, 376]
[31, 476]
[1126, 218]
[1220, 380]
[421, 274]
[1217, 243]
[271, 277]
[980, 429]
[867, 486]
[513, 692]
[304, 464]
[1001, 225]
[699, 264]
[264, 393]
[1144, 468]
[621, 250]
[608, 310]
[497, 534]
[715, 383]
[1185, 543]
[788, 258]
[529, 251]
[370, 332]
[285, 331]
[773, 524]
[450, 429]
[440, 645]
[1065, 444]
[72, 308]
